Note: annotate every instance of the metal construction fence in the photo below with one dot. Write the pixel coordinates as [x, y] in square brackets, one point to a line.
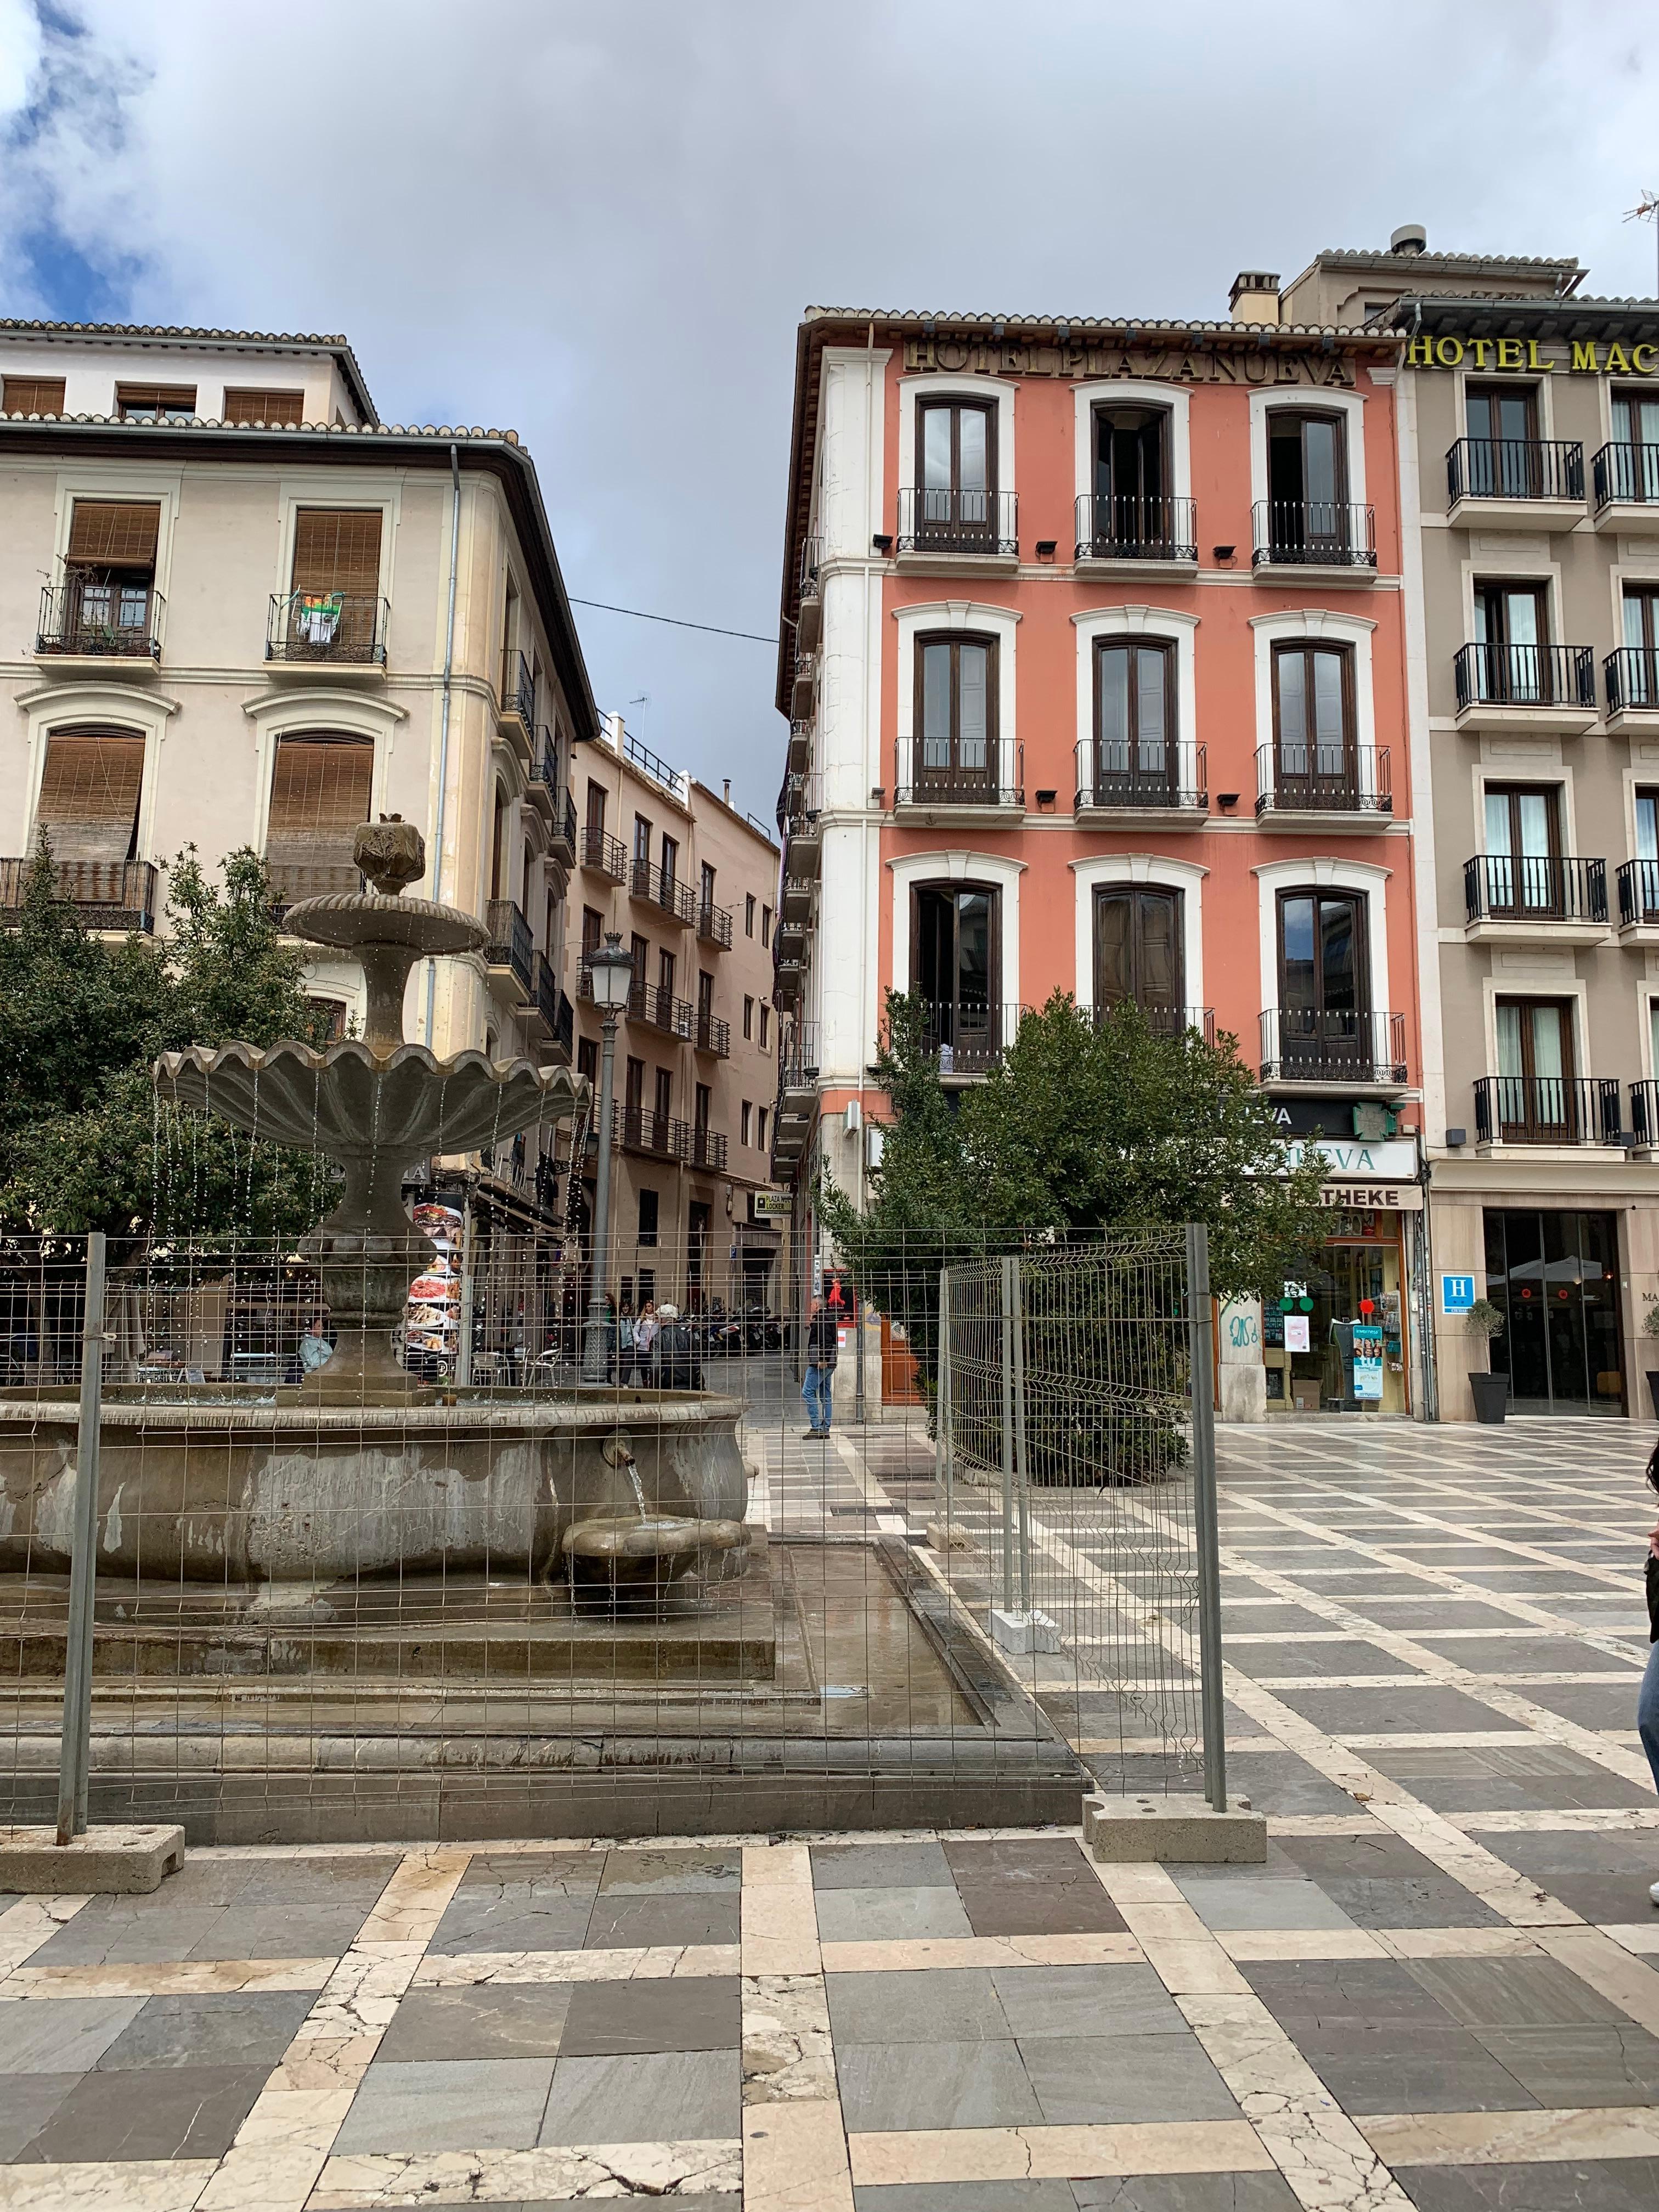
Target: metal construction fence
[586, 1567]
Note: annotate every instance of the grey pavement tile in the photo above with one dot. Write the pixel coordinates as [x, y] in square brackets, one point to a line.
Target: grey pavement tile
[1349, 1655]
[1518, 1653]
[934, 2084]
[1403, 2066]
[62, 2035]
[1625, 2184]
[682, 1916]
[541, 1872]
[1240, 1900]
[1244, 1616]
[942, 2005]
[1321, 1993]
[967, 2197]
[697, 2014]
[1534, 1777]
[648, 1873]
[1507, 1993]
[1415, 1614]
[1083, 2080]
[180, 2112]
[1042, 1886]
[1568, 2067]
[285, 1931]
[244, 2029]
[514, 1917]
[1279, 1782]
[1591, 1704]
[1186, 2192]
[660, 2096]
[869, 1916]
[1084, 2000]
[119, 1934]
[1396, 1711]
[27, 2101]
[475, 2103]
[880, 1866]
[1380, 1881]
[1604, 1877]
[496, 2020]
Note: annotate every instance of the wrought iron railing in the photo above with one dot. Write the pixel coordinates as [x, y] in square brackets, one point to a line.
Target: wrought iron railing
[642, 1129]
[1631, 676]
[1515, 468]
[1112, 527]
[673, 781]
[1624, 474]
[803, 802]
[647, 881]
[344, 628]
[798, 1056]
[294, 880]
[659, 1007]
[105, 894]
[1166, 1021]
[1533, 887]
[607, 854]
[1313, 533]
[1638, 893]
[712, 1035]
[708, 1148]
[101, 617]
[1326, 1044]
[518, 688]
[1644, 1113]
[1125, 772]
[1546, 1109]
[970, 1036]
[928, 777]
[1525, 676]
[1303, 779]
[511, 945]
[936, 520]
[714, 924]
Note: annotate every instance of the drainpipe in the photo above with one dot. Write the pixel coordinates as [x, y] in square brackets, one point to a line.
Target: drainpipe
[443, 729]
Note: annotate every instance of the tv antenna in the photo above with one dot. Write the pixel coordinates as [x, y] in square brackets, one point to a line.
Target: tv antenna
[1645, 210]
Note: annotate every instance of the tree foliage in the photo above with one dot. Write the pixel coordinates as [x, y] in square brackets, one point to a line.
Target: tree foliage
[82, 1142]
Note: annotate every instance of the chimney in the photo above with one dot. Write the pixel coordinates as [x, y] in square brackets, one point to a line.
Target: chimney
[1411, 238]
[1255, 297]
[726, 789]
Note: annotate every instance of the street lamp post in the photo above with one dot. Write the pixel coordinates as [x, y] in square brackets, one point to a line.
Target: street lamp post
[610, 978]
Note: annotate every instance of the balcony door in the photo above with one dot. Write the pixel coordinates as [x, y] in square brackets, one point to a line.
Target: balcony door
[90, 789]
[1131, 517]
[1137, 953]
[1504, 457]
[1135, 755]
[109, 574]
[954, 950]
[335, 607]
[955, 506]
[956, 719]
[1316, 756]
[1511, 629]
[1307, 486]
[1324, 989]
[1536, 1096]
[1636, 425]
[1640, 663]
[1524, 876]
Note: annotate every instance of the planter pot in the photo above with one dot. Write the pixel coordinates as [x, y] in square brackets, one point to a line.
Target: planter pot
[1491, 1393]
[1653, 1391]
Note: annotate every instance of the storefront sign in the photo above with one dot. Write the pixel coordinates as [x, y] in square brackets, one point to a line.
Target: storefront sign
[1355, 1160]
[1523, 356]
[1178, 364]
[1456, 1293]
[1372, 1197]
[1367, 1361]
[769, 1206]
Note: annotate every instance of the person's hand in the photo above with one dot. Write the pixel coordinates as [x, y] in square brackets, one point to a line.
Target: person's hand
[1653, 1542]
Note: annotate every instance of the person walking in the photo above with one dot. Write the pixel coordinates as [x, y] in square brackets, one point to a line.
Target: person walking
[1647, 1697]
[822, 1352]
[645, 1335]
[674, 1355]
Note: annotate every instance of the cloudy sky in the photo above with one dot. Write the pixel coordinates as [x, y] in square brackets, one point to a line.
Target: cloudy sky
[600, 224]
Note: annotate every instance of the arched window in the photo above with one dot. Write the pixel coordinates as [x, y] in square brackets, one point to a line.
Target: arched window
[90, 788]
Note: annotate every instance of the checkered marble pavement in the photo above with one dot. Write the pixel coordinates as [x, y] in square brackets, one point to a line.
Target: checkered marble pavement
[1441, 1990]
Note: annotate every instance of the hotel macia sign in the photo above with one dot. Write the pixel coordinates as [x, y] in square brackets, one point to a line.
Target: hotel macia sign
[1583, 357]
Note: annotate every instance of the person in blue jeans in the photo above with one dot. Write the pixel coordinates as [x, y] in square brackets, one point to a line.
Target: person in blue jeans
[1647, 1697]
[821, 1350]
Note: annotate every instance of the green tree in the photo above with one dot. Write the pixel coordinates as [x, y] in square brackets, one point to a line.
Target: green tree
[84, 1144]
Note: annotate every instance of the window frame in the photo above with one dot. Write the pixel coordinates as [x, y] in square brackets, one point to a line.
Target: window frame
[1135, 783]
[953, 781]
[956, 889]
[1135, 896]
[1340, 787]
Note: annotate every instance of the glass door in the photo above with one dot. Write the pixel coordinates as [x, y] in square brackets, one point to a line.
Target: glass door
[1554, 1277]
[953, 951]
[958, 494]
[1135, 758]
[1314, 765]
[1131, 518]
[1524, 874]
[1306, 487]
[1636, 425]
[1509, 625]
[1535, 1090]
[1324, 987]
[1502, 450]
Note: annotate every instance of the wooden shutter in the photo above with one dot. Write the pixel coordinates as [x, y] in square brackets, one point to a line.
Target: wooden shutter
[112, 533]
[319, 794]
[32, 395]
[89, 793]
[262, 406]
[336, 549]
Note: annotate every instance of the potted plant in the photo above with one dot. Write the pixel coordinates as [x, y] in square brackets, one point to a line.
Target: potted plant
[1650, 1330]
[1490, 1391]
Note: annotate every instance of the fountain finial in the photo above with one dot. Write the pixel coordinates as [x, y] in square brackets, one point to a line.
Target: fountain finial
[391, 852]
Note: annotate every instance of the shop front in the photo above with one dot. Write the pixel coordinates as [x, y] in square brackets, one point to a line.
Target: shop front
[1553, 1275]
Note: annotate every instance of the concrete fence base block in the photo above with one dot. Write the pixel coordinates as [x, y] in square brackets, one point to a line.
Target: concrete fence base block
[1119, 1830]
[105, 1862]
[1022, 1634]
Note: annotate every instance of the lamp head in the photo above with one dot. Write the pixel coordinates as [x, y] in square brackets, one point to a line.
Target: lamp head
[611, 971]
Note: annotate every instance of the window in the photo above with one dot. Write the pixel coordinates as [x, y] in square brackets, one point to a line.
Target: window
[647, 1287]
[320, 791]
[953, 959]
[1536, 1094]
[597, 796]
[32, 395]
[1132, 516]
[954, 747]
[749, 915]
[766, 1020]
[647, 1228]
[666, 974]
[1308, 515]
[262, 406]
[1324, 992]
[748, 1017]
[1635, 427]
[766, 925]
[1644, 906]
[588, 1064]
[498, 846]
[592, 930]
[336, 554]
[745, 1116]
[1522, 862]
[671, 863]
[109, 573]
[633, 1099]
[640, 952]
[706, 893]
[334, 1011]
[1637, 665]
[1641, 617]
[705, 1007]
[1135, 757]
[703, 1098]
[760, 1126]
[1511, 630]
[1504, 461]
[90, 788]
[1138, 952]
[1314, 755]
[154, 403]
[665, 1100]
[641, 841]
[956, 505]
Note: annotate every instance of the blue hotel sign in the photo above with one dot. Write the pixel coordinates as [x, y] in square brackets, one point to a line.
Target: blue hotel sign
[1456, 1293]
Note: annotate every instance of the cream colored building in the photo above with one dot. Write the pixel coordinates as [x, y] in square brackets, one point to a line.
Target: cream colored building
[690, 885]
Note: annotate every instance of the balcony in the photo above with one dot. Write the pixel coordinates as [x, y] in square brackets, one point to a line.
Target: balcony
[510, 955]
[1323, 1046]
[549, 793]
[808, 607]
[1515, 483]
[605, 854]
[714, 924]
[639, 1129]
[1330, 539]
[1644, 1114]
[552, 1015]
[796, 895]
[970, 1037]
[648, 882]
[1302, 787]
[1546, 1109]
[337, 629]
[707, 1149]
[1536, 898]
[712, 1035]
[798, 1058]
[1624, 489]
[1167, 1021]
[1526, 687]
[294, 880]
[517, 717]
[800, 744]
[803, 688]
[1117, 535]
[656, 1006]
[1632, 677]
[973, 526]
[113, 894]
[117, 623]
[1638, 902]
[1118, 779]
[803, 802]
[938, 789]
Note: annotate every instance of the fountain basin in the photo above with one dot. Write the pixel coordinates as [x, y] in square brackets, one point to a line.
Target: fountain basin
[629, 1563]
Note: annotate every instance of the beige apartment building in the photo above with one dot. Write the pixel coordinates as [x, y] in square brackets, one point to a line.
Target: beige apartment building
[1529, 436]
[690, 885]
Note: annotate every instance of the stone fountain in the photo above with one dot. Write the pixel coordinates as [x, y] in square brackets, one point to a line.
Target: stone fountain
[632, 1497]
